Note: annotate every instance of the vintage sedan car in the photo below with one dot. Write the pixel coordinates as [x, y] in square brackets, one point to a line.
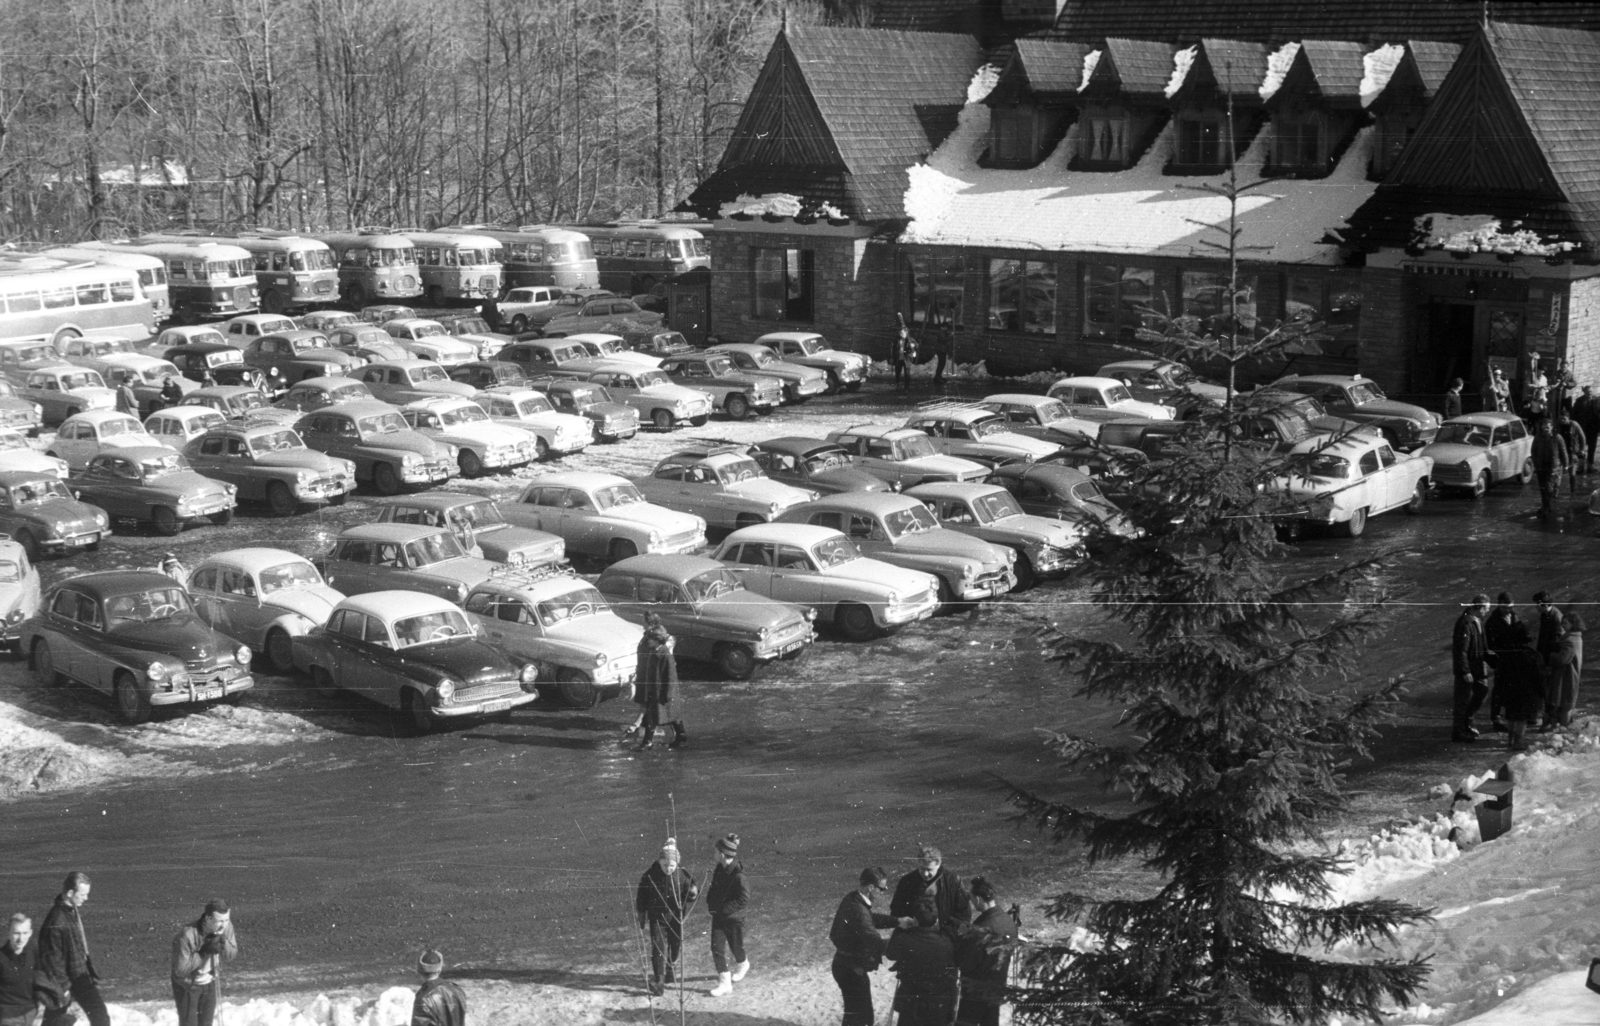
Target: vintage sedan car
[428, 340]
[815, 465]
[736, 393]
[657, 342]
[90, 350]
[612, 421]
[599, 313]
[844, 369]
[41, 515]
[234, 402]
[375, 437]
[1044, 547]
[1039, 416]
[799, 381]
[146, 376]
[298, 354]
[479, 526]
[601, 346]
[189, 335]
[1166, 382]
[17, 454]
[481, 374]
[517, 304]
[707, 609]
[133, 634]
[1098, 398]
[326, 320]
[62, 390]
[382, 313]
[482, 445]
[405, 381]
[18, 360]
[1065, 493]
[654, 395]
[417, 654]
[379, 557]
[819, 568]
[262, 598]
[270, 463]
[19, 593]
[567, 301]
[1474, 451]
[153, 485]
[1407, 427]
[469, 326]
[899, 529]
[586, 653]
[604, 516]
[18, 414]
[977, 434]
[555, 433]
[902, 456]
[359, 339]
[82, 435]
[548, 356]
[1344, 483]
[175, 426]
[198, 362]
[721, 485]
[319, 394]
[244, 329]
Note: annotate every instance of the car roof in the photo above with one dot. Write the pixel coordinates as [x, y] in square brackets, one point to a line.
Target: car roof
[389, 606]
[1346, 445]
[325, 381]
[100, 416]
[513, 392]
[136, 359]
[198, 347]
[875, 430]
[1149, 364]
[861, 502]
[792, 534]
[297, 333]
[11, 477]
[435, 500]
[405, 321]
[673, 567]
[403, 364]
[586, 479]
[135, 453]
[797, 445]
[742, 347]
[256, 318]
[714, 455]
[1088, 381]
[436, 401]
[254, 559]
[1495, 417]
[1019, 398]
[1036, 470]
[791, 336]
[1327, 379]
[592, 336]
[185, 411]
[358, 408]
[223, 391]
[390, 532]
[952, 489]
[59, 368]
[964, 414]
[619, 367]
[110, 583]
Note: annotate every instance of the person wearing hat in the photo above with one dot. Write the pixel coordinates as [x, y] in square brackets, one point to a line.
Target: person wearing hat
[1497, 392]
[1498, 632]
[658, 683]
[666, 893]
[726, 899]
[438, 1002]
[197, 955]
[857, 946]
[931, 879]
[1470, 659]
[924, 958]
[1564, 666]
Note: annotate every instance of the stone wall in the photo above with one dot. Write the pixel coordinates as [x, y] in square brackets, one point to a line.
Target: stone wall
[1582, 321]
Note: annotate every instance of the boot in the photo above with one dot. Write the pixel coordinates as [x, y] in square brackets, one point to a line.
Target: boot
[740, 970]
[680, 736]
[724, 986]
[644, 742]
[656, 988]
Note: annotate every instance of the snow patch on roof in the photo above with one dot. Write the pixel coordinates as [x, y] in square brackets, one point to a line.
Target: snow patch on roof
[1182, 61]
[1278, 64]
[1090, 61]
[1379, 66]
[983, 82]
[782, 204]
[1481, 233]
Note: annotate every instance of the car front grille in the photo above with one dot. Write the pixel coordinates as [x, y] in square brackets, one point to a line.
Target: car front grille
[486, 692]
[992, 577]
[788, 633]
[322, 288]
[1452, 474]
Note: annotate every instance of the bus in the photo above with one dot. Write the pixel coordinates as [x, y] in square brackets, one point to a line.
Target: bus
[375, 266]
[207, 280]
[151, 271]
[45, 298]
[456, 265]
[539, 254]
[634, 255]
[292, 271]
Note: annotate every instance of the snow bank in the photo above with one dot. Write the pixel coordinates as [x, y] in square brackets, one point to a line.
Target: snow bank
[1559, 1000]
[391, 1008]
[1278, 64]
[1480, 233]
[35, 760]
[1378, 67]
[782, 204]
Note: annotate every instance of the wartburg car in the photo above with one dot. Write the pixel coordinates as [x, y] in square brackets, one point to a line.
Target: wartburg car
[19, 593]
[299, 354]
[612, 421]
[17, 454]
[482, 445]
[380, 557]
[903, 456]
[1471, 453]
[262, 598]
[1044, 547]
[405, 381]
[974, 433]
[16, 413]
[154, 485]
[235, 402]
[604, 516]
[478, 525]
[845, 370]
[555, 433]
[736, 393]
[271, 464]
[374, 437]
[799, 382]
[82, 435]
[654, 395]
[1098, 398]
[62, 390]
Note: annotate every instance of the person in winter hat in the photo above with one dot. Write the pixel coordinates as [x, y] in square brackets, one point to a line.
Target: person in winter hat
[197, 955]
[726, 900]
[658, 683]
[662, 902]
[438, 1002]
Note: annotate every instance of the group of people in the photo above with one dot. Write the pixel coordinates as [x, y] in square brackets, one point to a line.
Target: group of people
[1528, 674]
[1564, 418]
[937, 341]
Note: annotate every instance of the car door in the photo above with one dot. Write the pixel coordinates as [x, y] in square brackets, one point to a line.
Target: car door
[868, 536]
[753, 562]
[61, 630]
[1374, 491]
[365, 652]
[350, 567]
[1397, 483]
[507, 621]
[203, 593]
[238, 607]
[1519, 445]
[75, 443]
[794, 576]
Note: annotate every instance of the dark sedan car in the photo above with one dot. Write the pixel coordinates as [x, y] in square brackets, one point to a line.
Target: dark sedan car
[268, 463]
[816, 464]
[196, 361]
[37, 510]
[1053, 490]
[153, 484]
[486, 374]
[298, 354]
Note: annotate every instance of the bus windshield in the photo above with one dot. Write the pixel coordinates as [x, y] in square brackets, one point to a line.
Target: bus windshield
[475, 256]
[393, 257]
[226, 269]
[311, 260]
[688, 248]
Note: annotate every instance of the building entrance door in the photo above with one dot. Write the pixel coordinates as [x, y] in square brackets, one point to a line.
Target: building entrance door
[1452, 349]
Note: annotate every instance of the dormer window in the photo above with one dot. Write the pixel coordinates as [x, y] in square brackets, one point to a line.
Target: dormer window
[1200, 140]
[1395, 128]
[1297, 141]
[1021, 135]
[1103, 140]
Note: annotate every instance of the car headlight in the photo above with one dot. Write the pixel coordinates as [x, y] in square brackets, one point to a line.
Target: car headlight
[305, 478]
[516, 558]
[62, 468]
[1010, 554]
[241, 655]
[461, 592]
[156, 671]
[447, 690]
[680, 407]
[101, 519]
[530, 672]
[773, 507]
[894, 597]
[411, 459]
[600, 659]
[1464, 465]
[811, 612]
[968, 571]
[655, 537]
[16, 617]
[454, 452]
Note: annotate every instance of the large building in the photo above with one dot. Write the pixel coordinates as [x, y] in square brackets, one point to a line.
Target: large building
[1423, 181]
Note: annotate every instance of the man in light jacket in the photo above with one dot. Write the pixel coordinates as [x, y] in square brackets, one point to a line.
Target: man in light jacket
[197, 955]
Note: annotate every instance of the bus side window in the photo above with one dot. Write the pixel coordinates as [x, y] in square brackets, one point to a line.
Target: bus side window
[637, 248]
[658, 250]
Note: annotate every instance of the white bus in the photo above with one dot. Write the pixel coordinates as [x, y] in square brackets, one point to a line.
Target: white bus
[375, 266]
[44, 298]
[151, 270]
[540, 254]
[456, 265]
[292, 271]
[207, 280]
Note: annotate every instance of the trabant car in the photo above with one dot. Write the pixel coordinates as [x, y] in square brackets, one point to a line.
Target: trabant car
[844, 369]
[19, 593]
[405, 381]
[417, 654]
[478, 525]
[657, 342]
[326, 320]
[555, 433]
[234, 402]
[147, 376]
[821, 569]
[1039, 416]
[189, 335]
[481, 374]
[721, 485]
[974, 433]
[90, 350]
[604, 516]
[133, 634]
[242, 330]
[706, 607]
[1065, 493]
[18, 414]
[427, 340]
[482, 445]
[299, 354]
[811, 463]
[654, 395]
[18, 360]
[1344, 483]
[519, 303]
[1044, 547]
[1474, 451]
[198, 362]
[62, 390]
[39, 514]
[1166, 382]
[374, 437]
[612, 421]
[601, 346]
[735, 392]
[270, 463]
[608, 313]
[1407, 427]
[1097, 398]
[899, 529]
[378, 557]
[17, 454]
[549, 356]
[382, 313]
[82, 435]
[799, 381]
[902, 456]
[153, 485]
[585, 652]
[174, 426]
[262, 598]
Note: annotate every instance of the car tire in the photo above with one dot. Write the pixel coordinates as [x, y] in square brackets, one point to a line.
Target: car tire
[1526, 474]
[734, 661]
[854, 386]
[662, 419]
[222, 519]
[699, 421]
[418, 714]
[322, 682]
[620, 549]
[1356, 526]
[133, 705]
[29, 544]
[575, 690]
[737, 407]
[1419, 497]
[855, 621]
[43, 662]
[1480, 484]
[1023, 567]
[281, 499]
[471, 465]
[835, 384]
[279, 649]
[519, 324]
[385, 479]
[166, 520]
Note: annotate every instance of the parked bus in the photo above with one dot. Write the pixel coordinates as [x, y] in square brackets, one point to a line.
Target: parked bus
[634, 255]
[375, 266]
[47, 298]
[292, 271]
[151, 270]
[538, 254]
[457, 265]
[207, 280]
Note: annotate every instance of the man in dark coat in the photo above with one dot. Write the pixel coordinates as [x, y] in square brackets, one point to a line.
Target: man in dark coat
[1452, 398]
[903, 356]
[1586, 411]
[19, 962]
[438, 1002]
[983, 955]
[1549, 463]
[1572, 437]
[662, 902]
[726, 899]
[932, 880]
[1499, 634]
[658, 683]
[1469, 659]
[1520, 673]
[64, 956]
[857, 947]
[197, 954]
[924, 959]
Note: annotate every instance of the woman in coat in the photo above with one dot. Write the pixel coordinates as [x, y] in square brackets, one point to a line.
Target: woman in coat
[658, 683]
[1565, 666]
[1520, 672]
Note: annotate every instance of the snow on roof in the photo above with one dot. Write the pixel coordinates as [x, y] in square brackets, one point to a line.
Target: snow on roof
[1278, 64]
[1182, 61]
[983, 82]
[1090, 59]
[782, 204]
[1379, 65]
[1481, 233]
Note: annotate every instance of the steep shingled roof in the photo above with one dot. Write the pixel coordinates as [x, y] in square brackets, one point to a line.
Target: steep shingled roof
[1433, 61]
[1052, 65]
[1142, 66]
[1337, 66]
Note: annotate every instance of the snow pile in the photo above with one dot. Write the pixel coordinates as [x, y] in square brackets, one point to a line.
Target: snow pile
[1480, 233]
[1278, 64]
[1182, 61]
[983, 82]
[782, 204]
[830, 211]
[392, 1008]
[1378, 67]
[34, 760]
[1091, 60]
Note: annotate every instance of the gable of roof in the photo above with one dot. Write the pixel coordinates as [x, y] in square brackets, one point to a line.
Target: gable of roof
[1431, 61]
[1053, 66]
[1223, 66]
[1336, 66]
[1141, 67]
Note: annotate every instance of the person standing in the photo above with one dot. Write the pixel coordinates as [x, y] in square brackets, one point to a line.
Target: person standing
[942, 343]
[1470, 662]
[491, 311]
[1564, 667]
[1499, 391]
[857, 947]
[1586, 412]
[904, 355]
[1535, 392]
[924, 959]
[197, 955]
[658, 683]
[1520, 673]
[171, 392]
[1498, 635]
[1572, 437]
[64, 956]
[726, 899]
[438, 1002]
[1452, 398]
[19, 963]
[1563, 388]
[933, 880]
[665, 894]
[984, 957]
[1549, 462]
[127, 402]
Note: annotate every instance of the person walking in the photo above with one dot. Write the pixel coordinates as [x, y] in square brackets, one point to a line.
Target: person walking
[984, 957]
[924, 960]
[1563, 388]
[19, 964]
[438, 1002]
[931, 879]
[1549, 463]
[1563, 667]
[658, 683]
[1452, 398]
[127, 402]
[1520, 672]
[64, 956]
[666, 893]
[1470, 661]
[1577, 444]
[1586, 412]
[903, 356]
[726, 899]
[197, 955]
[857, 946]
[1498, 636]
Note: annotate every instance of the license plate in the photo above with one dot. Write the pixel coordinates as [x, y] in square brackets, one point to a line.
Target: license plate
[80, 540]
[206, 694]
[790, 647]
[498, 705]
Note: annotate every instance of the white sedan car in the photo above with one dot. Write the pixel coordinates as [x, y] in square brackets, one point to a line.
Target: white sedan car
[1345, 482]
[1094, 398]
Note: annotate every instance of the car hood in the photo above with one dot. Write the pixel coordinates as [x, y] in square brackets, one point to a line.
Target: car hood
[1032, 446]
[750, 379]
[611, 410]
[945, 542]
[1057, 533]
[314, 603]
[1453, 452]
[1215, 393]
[767, 490]
[68, 515]
[602, 632]
[501, 541]
[460, 388]
[188, 482]
[1140, 408]
[952, 465]
[849, 479]
[1394, 408]
[749, 610]
[469, 570]
[29, 462]
[469, 660]
[183, 637]
[827, 358]
[130, 441]
[674, 392]
[297, 459]
[783, 368]
[406, 441]
[333, 356]
[91, 393]
[648, 514]
[875, 571]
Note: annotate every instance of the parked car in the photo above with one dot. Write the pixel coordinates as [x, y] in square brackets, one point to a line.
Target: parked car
[735, 393]
[601, 346]
[1344, 483]
[405, 381]
[298, 354]
[89, 350]
[721, 485]
[262, 598]
[1102, 399]
[360, 340]
[470, 327]
[147, 376]
[326, 321]
[549, 356]
[1474, 451]
[18, 414]
[270, 463]
[604, 516]
[1044, 547]
[189, 335]
[153, 485]
[427, 340]
[18, 360]
[478, 525]
[38, 513]
[133, 635]
[657, 342]
[706, 607]
[246, 328]
[199, 361]
[821, 569]
[17, 454]
[1039, 416]
[518, 304]
[799, 381]
[383, 313]
[482, 445]
[374, 437]
[19, 592]
[654, 395]
[555, 433]
[1065, 493]
[381, 557]
[612, 421]
[82, 435]
[417, 654]
[974, 433]
[481, 374]
[585, 652]
[815, 465]
[318, 394]
[61, 390]
[1166, 382]
[570, 300]
[1407, 427]
[899, 529]
[174, 426]
[234, 402]
[902, 456]
[599, 313]
[845, 369]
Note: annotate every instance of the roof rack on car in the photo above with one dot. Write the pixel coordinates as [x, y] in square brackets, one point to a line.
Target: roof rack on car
[721, 444]
[701, 452]
[930, 405]
[510, 573]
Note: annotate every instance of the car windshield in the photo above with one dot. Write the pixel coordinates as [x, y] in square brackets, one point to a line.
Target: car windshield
[763, 357]
[10, 571]
[466, 413]
[81, 379]
[430, 372]
[616, 495]
[145, 606]
[606, 347]
[26, 492]
[110, 345]
[120, 426]
[986, 426]
[576, 603]
[427, 331]
[368, 336]
[534, 404]
[833, 459]
[719, 365]
[275, 441]
[833, 551]
[1464, 434]
[434, 548]
[913, 520]
[1176, 374]
[995, 506]
[12, 440]
[472, 326]
[160, 466]
[289, 575]
[40, 352]
[345, 393]
[651, 377]
[712, 584]
[224, 357]
[815, 344]
[589, 396]
[436, 626]
[479, 515]
[251, 400]
[1363, 393]
[1088, 491]
[739, 470]
[310, 342]
[1323, 465]
[381, 424]
[913, 447]
[1117, 394]
[209, 338]
[156, 373]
